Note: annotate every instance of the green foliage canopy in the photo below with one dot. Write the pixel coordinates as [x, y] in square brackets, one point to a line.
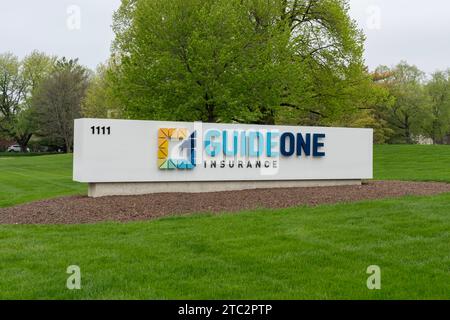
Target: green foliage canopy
[18, 82]
[100, 101]
[58, 99]
[410, 105]
[237, 60]
[437, 123]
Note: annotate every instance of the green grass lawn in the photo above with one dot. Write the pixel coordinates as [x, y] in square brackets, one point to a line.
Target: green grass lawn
[297, 253]
[24, 179]
[414, 162]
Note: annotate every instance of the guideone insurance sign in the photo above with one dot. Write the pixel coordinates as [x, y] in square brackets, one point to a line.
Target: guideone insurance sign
[153, 151]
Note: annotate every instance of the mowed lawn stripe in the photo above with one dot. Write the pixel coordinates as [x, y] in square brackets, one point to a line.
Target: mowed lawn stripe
[297, 253]
[25, 179]
[412, 162]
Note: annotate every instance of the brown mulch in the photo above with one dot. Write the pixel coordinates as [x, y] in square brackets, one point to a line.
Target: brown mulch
[81, 209]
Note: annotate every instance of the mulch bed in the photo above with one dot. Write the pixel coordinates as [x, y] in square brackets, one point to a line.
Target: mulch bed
[81, 209]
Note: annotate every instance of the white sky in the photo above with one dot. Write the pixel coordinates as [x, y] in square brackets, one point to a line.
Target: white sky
[52, 26]
[414, 30]
[417, 31]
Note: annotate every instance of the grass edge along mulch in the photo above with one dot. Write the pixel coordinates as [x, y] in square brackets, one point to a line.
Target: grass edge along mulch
[81, 209]
[297, 253]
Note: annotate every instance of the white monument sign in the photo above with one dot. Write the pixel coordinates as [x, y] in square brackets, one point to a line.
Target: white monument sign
[118, 157]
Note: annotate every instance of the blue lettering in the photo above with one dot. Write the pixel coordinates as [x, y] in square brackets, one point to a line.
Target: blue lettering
[317, 144]
[226, 150]
[303, 144]
[271, 144]
[212, 147]
[255, 139]
[243, 144]
[283, 148]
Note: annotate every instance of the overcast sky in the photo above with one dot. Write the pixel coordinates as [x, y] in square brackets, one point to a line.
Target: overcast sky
[417, 31]
[414, 30]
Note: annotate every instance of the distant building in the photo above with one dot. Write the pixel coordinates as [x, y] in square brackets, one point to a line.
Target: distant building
[426, 141]
[423, 140]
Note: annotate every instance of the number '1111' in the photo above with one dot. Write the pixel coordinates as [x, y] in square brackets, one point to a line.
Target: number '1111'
[101, 130]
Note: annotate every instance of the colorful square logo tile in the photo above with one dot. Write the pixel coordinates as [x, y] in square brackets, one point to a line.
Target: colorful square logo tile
[165, 135]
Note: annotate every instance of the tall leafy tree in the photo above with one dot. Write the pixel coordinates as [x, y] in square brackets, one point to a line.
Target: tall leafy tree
[329, 48]
[18, 82]
[100, 101]
[373, 111]
[58, 100]
[13, 89]
[36, 66]
[237, 60]
[437, 123]
[410, 107]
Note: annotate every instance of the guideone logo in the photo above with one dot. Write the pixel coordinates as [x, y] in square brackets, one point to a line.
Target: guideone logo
[166, 135]
[236, 148]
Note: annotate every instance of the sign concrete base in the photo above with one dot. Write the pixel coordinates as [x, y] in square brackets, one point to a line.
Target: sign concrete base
[139, 188]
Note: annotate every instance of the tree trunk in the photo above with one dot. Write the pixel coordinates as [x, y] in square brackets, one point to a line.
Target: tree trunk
[209, 109]
[407, 130]
[407, 135]
[68, 144]
[67, 147]
[211, 117]
[23, 141]
[268, 117]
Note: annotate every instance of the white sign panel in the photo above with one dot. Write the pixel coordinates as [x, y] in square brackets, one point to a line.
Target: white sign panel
[154, 151]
